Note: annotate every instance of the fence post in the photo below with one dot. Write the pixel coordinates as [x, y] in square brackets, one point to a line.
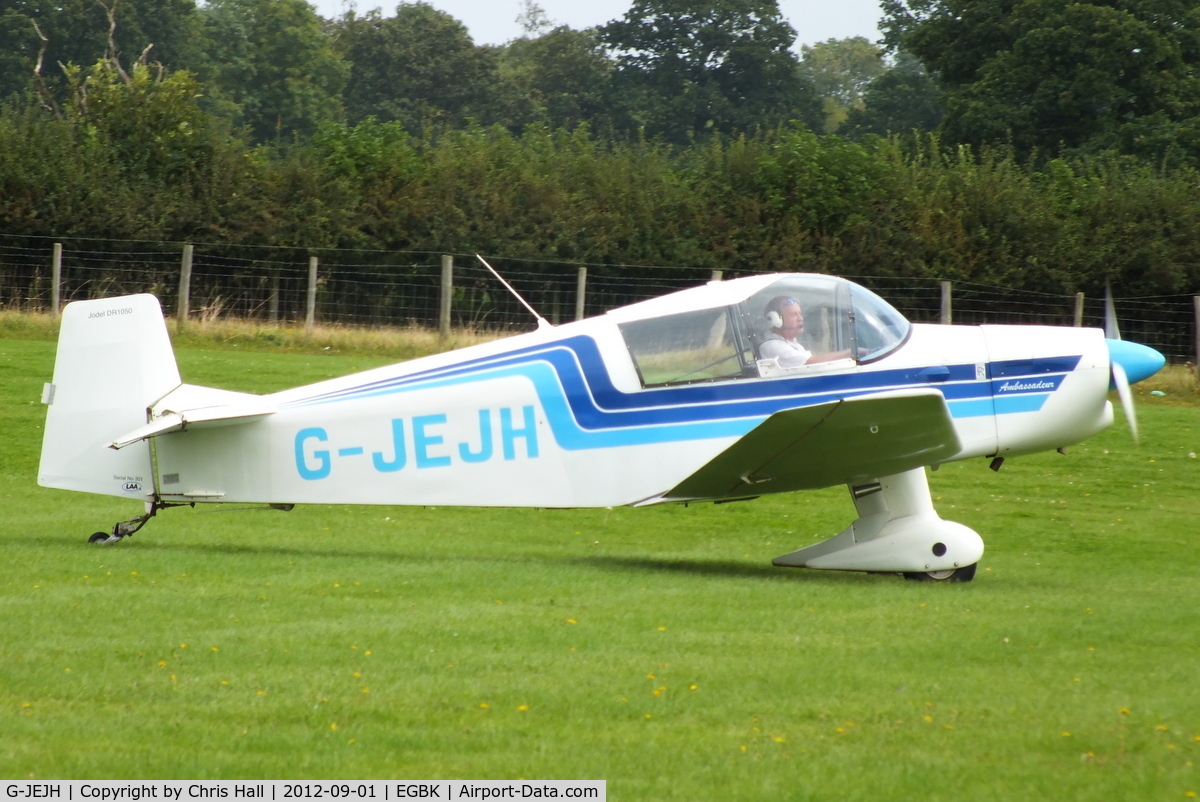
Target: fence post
[1196, 310]
[580, 293]
[1078, 309]
[716, 275]
[273, 300]
[185, 285]
[55, 279]
[310, 312]
[447, 296]
[947, 310]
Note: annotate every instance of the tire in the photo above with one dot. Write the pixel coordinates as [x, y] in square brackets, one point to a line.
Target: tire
[964, 574]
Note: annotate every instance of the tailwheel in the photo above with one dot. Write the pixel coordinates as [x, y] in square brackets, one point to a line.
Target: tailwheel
[964, 574]
[124, 529]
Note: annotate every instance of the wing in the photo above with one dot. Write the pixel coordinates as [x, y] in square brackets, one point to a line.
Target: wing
[850, 441]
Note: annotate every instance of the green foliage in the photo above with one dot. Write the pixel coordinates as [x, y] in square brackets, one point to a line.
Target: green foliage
[840, 70]
[417, 67]
[150, 123]
[77, 34]
[1049, 76]
[829, 184]
[902, 100]
[271, 66]
[561, 79]
[693, 67]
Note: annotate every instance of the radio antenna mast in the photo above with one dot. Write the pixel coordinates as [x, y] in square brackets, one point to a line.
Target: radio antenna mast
[541, 321]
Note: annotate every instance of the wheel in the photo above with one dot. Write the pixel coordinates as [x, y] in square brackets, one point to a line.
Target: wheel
[98, 537]
[964, 574]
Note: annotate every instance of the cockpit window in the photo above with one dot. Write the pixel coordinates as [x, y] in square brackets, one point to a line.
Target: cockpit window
[825, 317]
[688, 347]
[878, 328]
[800, 322]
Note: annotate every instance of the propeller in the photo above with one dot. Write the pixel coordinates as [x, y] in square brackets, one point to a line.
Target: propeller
[1122, 384]
[1128, 362]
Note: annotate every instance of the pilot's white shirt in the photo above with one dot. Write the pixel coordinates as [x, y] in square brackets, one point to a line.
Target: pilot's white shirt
[789, 353]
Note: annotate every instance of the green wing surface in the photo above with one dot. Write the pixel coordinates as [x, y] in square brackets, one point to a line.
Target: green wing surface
[849, 441]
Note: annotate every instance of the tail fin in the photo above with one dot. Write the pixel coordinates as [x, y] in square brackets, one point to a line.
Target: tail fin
[114, 361]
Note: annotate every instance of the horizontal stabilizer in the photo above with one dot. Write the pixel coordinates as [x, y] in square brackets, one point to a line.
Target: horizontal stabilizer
[849, 441]
[191, 418]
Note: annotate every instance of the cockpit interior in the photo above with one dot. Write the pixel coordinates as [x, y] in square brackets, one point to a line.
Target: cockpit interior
[724, 343]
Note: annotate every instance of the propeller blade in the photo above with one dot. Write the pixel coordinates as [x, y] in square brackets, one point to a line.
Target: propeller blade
[1111, 331]
[1122, 383]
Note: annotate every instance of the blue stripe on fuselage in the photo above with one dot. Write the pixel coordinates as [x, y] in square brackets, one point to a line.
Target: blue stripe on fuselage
[574, 385]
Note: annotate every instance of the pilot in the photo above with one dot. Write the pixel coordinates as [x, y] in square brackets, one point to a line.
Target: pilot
[787, 323]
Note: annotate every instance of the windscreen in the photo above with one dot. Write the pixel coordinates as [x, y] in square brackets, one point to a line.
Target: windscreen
[878, 328]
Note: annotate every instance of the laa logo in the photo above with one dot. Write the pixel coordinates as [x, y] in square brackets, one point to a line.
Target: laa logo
[132, 487]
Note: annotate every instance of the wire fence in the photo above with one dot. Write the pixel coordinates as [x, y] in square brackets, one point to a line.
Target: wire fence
[399, 289]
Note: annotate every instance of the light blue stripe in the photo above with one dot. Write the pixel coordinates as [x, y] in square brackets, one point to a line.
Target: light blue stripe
[568, 434]
[1008, 404]
[970, 409]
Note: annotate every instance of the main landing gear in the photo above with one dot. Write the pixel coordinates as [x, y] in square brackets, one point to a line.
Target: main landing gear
[897, 532]
[964, 574]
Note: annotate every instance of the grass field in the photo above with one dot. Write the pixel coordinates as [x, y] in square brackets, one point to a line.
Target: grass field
[655, 649]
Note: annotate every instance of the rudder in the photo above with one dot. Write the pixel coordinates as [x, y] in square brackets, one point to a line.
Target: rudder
[114, 361]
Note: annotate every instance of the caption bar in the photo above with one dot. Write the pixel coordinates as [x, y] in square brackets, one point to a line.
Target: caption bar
[233, 791]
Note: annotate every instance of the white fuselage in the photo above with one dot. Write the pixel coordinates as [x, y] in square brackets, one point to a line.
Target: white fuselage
[559, 418]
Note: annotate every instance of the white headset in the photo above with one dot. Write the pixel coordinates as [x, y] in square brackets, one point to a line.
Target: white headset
[776, 319]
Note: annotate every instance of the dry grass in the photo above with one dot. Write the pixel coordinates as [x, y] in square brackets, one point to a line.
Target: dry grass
[1177, 384]
[248, 335]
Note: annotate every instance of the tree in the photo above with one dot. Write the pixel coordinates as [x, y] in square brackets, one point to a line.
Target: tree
[840, 71]
[416, 67]
[905, 98]
[76, 32]
[271, 66]
[693, 66]
[559, 79]
[1047, 75]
